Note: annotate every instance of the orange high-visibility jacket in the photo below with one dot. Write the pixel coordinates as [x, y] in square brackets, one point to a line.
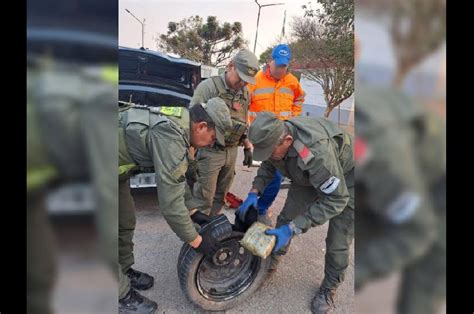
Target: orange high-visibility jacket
[284, 97]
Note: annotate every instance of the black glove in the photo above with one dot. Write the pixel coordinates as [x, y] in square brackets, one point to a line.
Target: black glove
[200, 218]
[247, 157]
[209, 245]
[251, 216]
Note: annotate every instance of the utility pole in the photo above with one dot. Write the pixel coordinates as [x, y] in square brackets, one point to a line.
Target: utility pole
[143, 26]
[260, 6]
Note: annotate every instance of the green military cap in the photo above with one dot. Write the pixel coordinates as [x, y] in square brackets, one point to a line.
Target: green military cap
[220, 115]
[247, 65]
[264, 133]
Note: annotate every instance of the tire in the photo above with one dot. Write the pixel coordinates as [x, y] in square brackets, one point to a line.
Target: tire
[194, 270]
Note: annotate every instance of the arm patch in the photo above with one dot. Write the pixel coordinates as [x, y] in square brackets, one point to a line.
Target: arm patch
[303, 151]
[330, 185]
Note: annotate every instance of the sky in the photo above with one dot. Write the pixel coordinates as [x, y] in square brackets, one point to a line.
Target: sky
[376, 46]
[158, 13]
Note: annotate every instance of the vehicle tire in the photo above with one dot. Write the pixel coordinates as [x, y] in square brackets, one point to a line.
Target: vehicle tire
[221, 286]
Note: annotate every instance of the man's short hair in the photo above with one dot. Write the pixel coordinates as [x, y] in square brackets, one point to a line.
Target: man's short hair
[198, 114]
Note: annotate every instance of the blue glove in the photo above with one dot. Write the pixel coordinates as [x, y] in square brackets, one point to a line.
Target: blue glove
[283, 235]
[251, 200]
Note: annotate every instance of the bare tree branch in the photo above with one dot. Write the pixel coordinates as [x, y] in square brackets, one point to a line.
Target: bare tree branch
[323, 47]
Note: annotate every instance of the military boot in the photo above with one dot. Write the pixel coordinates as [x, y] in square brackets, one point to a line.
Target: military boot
[139, 280]
[134, 302]
[323, 301]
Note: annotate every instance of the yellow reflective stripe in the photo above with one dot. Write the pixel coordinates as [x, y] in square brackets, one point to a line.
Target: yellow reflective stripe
[125, 168]
[286, 90]
[298, 103]
[267, 90]
[285, 113]
[35, 178]
[109, 74]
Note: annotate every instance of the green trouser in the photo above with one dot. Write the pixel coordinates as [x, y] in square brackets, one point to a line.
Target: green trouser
[78, 118]
[124, 283]
[216, 169]
[339, 236]
[127, 222]
[423, 283]
[98, 127]
[41, 257]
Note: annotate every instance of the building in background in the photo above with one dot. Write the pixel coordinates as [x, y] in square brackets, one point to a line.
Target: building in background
[315, 105]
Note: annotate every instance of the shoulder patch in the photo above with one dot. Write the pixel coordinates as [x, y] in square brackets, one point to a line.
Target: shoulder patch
[330, 185]
[362, 152]
[303, 151]
[403, 207]
[171, 111]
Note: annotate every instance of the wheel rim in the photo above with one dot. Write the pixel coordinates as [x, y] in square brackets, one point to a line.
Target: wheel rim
[228, 273]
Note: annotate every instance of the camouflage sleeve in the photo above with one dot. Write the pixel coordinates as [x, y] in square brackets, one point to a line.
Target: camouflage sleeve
[327, 177]
[247, 107]
[265, 175]
[251, 89]
[203, 92]
[394, 247]
[247, 98]
[188, 196]
[393, 197]
[169, 153]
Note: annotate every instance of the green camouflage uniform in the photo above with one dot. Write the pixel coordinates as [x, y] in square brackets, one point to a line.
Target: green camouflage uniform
[216, 165]
[70, 119]
[158, 138]
[321, 168]
[401, 202]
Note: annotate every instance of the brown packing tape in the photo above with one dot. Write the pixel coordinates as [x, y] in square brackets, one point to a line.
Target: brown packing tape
[257, 242]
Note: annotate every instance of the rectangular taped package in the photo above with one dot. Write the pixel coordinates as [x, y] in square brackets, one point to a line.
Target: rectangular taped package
[257, 242]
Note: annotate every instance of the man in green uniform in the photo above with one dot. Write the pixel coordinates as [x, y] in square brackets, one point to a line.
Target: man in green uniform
[216, 165]
[159, 138]
[318, 158]
[70, 120]
[401, 190]
[40, 245]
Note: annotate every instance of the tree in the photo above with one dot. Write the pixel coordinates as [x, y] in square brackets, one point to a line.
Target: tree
[266, 55]
[324, 46]
[210, 43]
[417, 29]
[336, 79]
[337, 16]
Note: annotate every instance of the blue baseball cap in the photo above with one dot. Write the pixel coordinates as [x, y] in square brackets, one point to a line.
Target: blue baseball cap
[281, 54]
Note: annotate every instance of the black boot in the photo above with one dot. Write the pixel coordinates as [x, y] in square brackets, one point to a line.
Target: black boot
[139, 280]
[134, 302]
[323, 301]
